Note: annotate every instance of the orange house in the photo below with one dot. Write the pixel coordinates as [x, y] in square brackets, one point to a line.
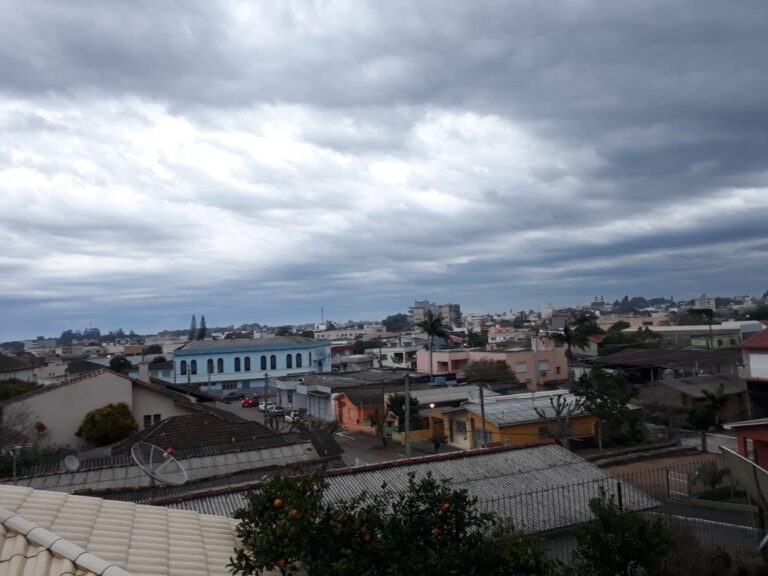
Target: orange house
[356, 409]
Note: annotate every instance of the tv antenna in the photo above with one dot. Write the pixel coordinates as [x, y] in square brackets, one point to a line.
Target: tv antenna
[71, 463]
[158, 464]
[13, 451]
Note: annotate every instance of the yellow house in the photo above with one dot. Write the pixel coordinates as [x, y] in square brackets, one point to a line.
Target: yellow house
[515, 420]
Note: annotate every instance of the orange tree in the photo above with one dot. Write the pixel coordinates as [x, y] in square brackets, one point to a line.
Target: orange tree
[291, 525]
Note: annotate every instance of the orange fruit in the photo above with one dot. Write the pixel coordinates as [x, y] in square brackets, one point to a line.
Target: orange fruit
[278, 502]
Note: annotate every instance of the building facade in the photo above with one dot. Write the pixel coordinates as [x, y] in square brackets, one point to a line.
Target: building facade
[221, 367]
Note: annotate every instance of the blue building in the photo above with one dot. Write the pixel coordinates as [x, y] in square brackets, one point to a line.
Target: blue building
[224, 366]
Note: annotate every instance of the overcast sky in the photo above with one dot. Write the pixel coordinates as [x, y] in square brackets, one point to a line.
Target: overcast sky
[254, 161]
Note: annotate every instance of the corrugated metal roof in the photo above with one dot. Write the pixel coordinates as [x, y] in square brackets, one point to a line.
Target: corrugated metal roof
[539, 488]
[47, 533]
[522, 409]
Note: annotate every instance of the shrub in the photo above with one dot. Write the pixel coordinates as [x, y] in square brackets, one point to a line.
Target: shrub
[109, 424]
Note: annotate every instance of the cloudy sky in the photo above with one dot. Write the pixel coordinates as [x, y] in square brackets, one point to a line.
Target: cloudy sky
[254, 161]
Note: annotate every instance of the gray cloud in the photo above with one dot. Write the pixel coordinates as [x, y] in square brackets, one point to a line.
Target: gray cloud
[255, 161]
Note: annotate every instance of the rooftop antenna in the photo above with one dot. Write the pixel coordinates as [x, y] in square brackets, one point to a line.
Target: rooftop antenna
[13, 451]
[158, 464]
[71, 463]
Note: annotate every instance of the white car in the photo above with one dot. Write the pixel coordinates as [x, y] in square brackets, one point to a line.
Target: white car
[264, 406]
[293, 416]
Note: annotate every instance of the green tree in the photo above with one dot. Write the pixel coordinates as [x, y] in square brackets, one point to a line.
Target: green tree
[617, 542]
[716, 401]
[152, 349]
[619, 326]
[605, 396]
[396, 323]
[489, 371]
[202, 332]
[158, 360]
[108, 424]
[120, 364]
[192, 328]
[433, 326]
[571, 337]
[396, 406]
[427, 529]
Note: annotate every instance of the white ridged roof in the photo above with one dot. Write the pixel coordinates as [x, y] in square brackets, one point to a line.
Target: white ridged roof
[51, 533]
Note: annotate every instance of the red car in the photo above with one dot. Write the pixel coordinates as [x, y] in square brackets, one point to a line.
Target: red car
[249, 402]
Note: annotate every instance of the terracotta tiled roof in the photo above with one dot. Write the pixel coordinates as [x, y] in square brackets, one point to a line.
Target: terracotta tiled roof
[11, 364]
[51, 533]
[757, 342]
[192, 430]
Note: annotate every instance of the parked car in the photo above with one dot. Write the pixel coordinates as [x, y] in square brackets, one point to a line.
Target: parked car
[293, 416]
[264, 405]
[275, 410]
[249, 402]
[234, 396]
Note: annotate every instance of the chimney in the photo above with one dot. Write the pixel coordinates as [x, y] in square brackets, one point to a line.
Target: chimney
[144, 371]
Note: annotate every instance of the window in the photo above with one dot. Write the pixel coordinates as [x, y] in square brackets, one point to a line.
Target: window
[183, 366]
[247, 363]
[460, 426]
[263, 362]
[210, 366]
[193, 367]
[156, 418]
[220, 364]
[237, 364]
[483, 436]
[273, 362]
[351, 412]
[298, 360]
[147, 420]
[544, 366]
[288, 361]
[719, 342]
[557, 369]
[521, 367]
[544, 432]
[229, 386]
[310, 358]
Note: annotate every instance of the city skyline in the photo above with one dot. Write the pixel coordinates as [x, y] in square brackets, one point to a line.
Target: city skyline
[261, 161]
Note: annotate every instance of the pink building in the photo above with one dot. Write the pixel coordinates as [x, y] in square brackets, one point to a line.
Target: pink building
[547, 367]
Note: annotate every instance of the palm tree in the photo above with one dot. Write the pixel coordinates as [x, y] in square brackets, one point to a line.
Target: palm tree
[571, 337]
[716, 400]
[433, 326]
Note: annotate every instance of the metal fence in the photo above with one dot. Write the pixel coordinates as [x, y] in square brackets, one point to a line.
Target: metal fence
[702, 504]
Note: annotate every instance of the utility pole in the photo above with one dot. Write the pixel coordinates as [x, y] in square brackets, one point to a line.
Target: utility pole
[407, 415]
[482, 412]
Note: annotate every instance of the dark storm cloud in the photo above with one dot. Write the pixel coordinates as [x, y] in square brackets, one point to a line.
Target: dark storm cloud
[263, 159]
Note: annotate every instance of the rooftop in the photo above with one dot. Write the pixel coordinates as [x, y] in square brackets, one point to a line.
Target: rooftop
[11, 364]
[510, 481]
[247, 344]
[694, 386]
[757, 342]
[52, 534]
[195, 430]
[669, 357]
[503, 411]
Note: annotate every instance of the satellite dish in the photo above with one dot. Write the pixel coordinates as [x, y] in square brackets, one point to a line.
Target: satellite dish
[70, 463]
[158, 464]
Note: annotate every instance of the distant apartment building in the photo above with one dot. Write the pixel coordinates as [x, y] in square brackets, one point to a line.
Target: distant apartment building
[367, 332]
[542, 366]
[223, 366]
[724, 335]
[703, 302]
[607, 320]
[450, 313]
